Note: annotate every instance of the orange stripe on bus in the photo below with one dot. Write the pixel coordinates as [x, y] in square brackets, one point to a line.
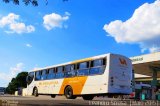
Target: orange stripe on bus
[77, 84]
[82, 60]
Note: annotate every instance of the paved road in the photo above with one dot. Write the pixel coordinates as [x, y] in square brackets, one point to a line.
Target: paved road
[8, 100]
[40, 101]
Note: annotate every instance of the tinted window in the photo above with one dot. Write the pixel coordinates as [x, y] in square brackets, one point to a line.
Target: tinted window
[59, 72]
[68, 68]
[70, 73]
[60, 69]
[59, 75]
[97, 70]
[98, 62]
[38, 75]
[73, 67]
[44, 75]
[82, 72]
[44, 72]
[51, 74]
[83, 65]
[51, 71]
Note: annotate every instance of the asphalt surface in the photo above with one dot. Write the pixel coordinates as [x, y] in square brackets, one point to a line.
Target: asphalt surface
[9, 100]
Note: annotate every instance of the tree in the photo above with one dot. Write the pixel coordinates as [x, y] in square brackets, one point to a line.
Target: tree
[11, 86]
[18, 82]
[21, 79]
[27, 2]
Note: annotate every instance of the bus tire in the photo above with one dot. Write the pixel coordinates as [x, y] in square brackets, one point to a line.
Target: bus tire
[68, 92]
[87, 97]
[53, 96]
[35, 92]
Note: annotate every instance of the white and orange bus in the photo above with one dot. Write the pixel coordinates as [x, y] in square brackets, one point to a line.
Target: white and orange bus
[108, 74]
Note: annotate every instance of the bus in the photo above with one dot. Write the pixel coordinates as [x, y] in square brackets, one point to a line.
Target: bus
[2, 90]
[107, 74]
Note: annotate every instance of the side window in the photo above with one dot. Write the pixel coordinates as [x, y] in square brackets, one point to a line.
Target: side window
[51, 73]
[97, 66]
[60, 69]
[98, 62]
[73, 67]
[83, 69]
[60, 72]
[70, 70]
[38, 75]
[67, 67]
[96, 70]
[83, 65]
[44, 74]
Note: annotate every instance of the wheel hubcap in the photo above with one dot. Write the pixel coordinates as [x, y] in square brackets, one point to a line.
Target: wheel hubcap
[69, 93]
[35, 92]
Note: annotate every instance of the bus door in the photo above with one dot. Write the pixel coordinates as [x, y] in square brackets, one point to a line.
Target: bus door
[30, 84]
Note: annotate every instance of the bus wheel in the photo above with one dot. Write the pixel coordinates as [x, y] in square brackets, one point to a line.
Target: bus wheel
[87, 97]
[35, 92]
[68, 92]
[53, 96]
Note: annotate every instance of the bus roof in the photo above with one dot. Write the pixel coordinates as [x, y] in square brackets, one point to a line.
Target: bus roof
[75, 61]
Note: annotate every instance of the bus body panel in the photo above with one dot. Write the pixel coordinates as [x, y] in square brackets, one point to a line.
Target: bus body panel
[120, 75]
[49, 86]
[77, 84]
[95, 85]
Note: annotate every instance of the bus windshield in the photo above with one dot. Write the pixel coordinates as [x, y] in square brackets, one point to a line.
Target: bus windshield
[30, 77]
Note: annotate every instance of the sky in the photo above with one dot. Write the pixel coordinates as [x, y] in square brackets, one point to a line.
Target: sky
[33, 37]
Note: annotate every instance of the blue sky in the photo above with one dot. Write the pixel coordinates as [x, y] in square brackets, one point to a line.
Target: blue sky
[59, 32]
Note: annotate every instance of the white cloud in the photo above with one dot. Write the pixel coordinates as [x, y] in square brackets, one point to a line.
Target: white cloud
[5, 78]
[12, 22]
[28, 45]
[54, 20]
[21, 28]
[142, 28]
[18, 68]
[12, 73]
[6, 20]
